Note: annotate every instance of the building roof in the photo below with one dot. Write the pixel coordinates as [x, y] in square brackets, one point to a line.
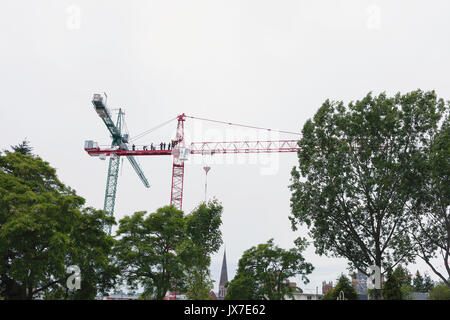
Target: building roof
[223, 273]
[213, 295]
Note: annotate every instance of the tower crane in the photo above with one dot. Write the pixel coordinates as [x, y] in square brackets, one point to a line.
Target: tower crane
[179, 151]
[119, 142]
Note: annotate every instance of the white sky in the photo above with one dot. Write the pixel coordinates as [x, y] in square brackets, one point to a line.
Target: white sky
[263, 63]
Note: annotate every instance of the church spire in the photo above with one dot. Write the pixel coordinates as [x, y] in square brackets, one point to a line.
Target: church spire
[223, 277]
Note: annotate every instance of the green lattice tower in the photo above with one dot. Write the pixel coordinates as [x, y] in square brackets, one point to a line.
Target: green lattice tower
[113, 171]
[118, 141]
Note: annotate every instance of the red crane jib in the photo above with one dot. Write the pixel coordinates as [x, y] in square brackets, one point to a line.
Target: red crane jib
[210, 148]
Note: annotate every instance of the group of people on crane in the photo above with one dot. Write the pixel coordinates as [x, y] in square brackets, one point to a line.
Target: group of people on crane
[162, 146]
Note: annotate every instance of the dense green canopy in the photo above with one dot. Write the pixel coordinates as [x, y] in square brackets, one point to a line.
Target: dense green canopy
[264, 272]
[359, 172]
[44, 229]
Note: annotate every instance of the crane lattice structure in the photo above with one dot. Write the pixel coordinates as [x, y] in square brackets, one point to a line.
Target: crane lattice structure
[120, 142]
[179, 151]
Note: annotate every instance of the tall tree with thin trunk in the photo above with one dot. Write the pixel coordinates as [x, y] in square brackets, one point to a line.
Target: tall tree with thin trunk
[430, 228]
[356, 175]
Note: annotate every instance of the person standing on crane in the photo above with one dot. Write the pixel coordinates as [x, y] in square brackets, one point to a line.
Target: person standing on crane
[134, 147]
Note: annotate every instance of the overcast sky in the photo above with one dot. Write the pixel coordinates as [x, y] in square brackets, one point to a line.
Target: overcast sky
[263, 63]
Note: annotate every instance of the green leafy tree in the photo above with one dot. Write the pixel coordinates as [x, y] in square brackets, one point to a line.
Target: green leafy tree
[392, 287]
[198, 283]
[422, 284]
[24, 148]
[418, 282]
[402, 275]
[407, 291]
[242, 287]
[266, 268]
[146, 251]
[203, 239]
[440, 292]
[356, 175]
[428, 283]
[93, 254]
[43, 230]
[330, 295]
[343, 285]
[430, 228]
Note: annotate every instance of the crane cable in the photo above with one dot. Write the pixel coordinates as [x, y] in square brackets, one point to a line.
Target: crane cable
[243, 125]
[139, 136]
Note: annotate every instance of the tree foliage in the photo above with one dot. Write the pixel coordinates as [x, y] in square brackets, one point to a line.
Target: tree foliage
[146, 251]
[422, 284]
[440, 292]
[23, 147]
[264, 270]
[167, 250]
[343, 286]
[430, 228]
[203, 239]
[392, 287]
[242, 287]
[44, 229]
[402, 275]
[357, 174]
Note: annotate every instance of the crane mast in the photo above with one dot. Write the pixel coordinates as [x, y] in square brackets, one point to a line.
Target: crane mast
[119, 142]
[176, 195]
[113, 175]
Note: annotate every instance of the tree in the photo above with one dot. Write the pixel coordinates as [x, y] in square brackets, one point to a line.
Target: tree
[343, 285]
[242, 287]
[93, 253]
[356, 175]
[407, 292]
[428, 284]
[422, 284]
[330, 295]
[203, 239]
[440, 292]
[418, 282]
[44, 230]
[23, 148]
[403, 277]
[430, 228]
[266, 269]
[146, 251]
[392, 287]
